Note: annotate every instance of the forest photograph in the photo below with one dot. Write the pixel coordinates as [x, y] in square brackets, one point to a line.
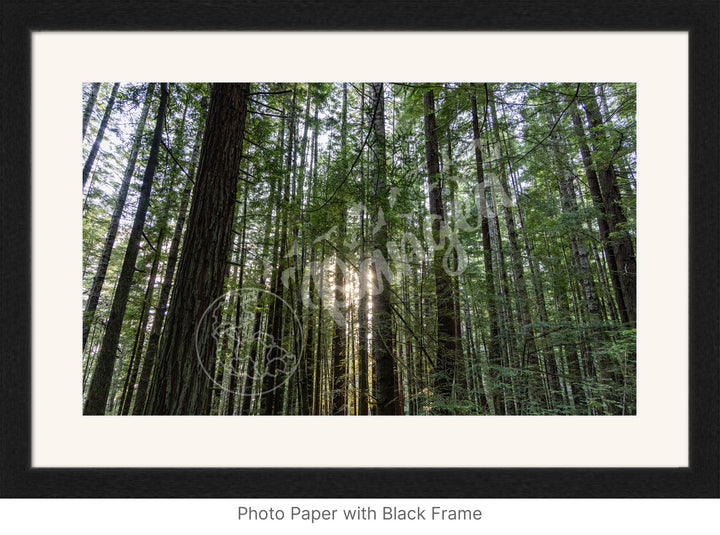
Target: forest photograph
[359, 248]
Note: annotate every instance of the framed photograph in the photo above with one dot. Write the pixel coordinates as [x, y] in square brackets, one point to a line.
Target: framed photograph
[457, 251]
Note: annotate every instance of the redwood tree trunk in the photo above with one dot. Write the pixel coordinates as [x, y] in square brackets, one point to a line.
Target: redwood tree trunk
[382, 319]
[446, 359]
[179, 384]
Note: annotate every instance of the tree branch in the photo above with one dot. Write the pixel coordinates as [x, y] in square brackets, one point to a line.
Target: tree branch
[167, 149]
[148, 241]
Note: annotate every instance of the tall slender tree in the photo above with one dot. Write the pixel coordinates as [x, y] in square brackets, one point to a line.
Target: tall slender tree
[99, 279]
[274, 377]
[100, 135]
[168, 277]
[382, 319]
[493, 392]
[447, 357]
[102, 376]
[340, 367]
[619, 238]
[89, 106]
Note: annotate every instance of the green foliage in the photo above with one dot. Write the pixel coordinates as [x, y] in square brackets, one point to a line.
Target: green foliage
[555, 354]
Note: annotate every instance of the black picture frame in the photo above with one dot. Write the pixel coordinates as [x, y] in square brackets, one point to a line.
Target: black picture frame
[701, 19]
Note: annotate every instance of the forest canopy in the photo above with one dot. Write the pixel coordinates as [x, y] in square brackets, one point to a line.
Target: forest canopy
[359, 248]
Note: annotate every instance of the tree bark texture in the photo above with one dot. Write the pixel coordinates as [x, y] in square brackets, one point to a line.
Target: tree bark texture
[179, 384]
[382, 318]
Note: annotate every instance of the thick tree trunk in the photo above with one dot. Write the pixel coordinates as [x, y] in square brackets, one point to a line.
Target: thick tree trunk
[382, 319]
[101, 133]
[102, 376]
[180, 385]
[99, 279]
[446, 357]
